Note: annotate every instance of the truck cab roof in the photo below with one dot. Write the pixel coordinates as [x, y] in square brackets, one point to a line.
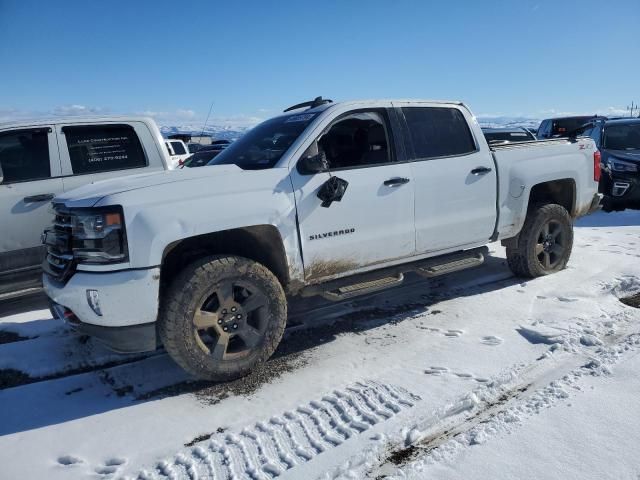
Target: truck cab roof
[48, 120]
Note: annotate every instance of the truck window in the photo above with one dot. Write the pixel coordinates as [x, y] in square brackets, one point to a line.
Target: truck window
[178, 148]
[263, 145]
[102, 148]
[438, 132]
[24, 155]
[359, 139]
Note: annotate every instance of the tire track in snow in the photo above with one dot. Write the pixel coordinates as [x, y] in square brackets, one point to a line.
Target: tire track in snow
[500, 405]
[267, 449]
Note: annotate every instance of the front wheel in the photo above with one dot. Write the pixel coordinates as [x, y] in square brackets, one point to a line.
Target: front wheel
[544, 244]
[222, 317]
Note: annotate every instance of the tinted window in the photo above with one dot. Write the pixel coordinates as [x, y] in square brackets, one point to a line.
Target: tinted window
[622, 137]
[262, 146]
[564, 126]
[438, 132]
[178, 148]
[497, 137]
[24, 155]
[356, 140]
[103, 148]
[201, 158]
[543, 130]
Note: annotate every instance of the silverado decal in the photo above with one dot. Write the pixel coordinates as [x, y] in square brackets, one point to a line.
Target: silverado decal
[335, 233]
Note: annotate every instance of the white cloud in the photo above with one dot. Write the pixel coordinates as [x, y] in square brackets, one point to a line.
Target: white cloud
[65, 110]
[178, 117]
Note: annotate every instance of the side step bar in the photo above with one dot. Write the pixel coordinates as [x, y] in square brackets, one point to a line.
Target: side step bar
[452, 266]
[356, 289]
[377, 280]
[19, 293]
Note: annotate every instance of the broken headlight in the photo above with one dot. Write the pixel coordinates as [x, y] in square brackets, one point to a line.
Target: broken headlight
[98, 236]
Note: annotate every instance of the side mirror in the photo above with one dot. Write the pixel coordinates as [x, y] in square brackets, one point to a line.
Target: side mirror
[332, 191]
[311, 164]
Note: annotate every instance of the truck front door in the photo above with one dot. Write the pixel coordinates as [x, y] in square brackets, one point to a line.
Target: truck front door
[373, 222]
[455, 178]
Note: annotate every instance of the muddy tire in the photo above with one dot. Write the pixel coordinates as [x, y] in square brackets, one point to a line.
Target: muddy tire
[544, 244]
[222, 316]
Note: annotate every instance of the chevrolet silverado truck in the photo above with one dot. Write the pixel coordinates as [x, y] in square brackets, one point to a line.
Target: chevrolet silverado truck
[42, 158]
[330, 199]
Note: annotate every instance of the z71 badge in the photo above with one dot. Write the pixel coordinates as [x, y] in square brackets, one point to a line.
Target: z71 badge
[335, 233]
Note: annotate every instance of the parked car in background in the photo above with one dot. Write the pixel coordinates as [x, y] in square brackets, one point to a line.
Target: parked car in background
[497, 136]
[201, 158]
[619, 145]
[205, 154]
[178, 152]
[532, 131]
[563, 126]
[43, 158]
[215, 144]
[331, 199]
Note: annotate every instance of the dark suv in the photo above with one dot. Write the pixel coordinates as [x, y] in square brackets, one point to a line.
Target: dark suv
[564, 126]
[619, 145]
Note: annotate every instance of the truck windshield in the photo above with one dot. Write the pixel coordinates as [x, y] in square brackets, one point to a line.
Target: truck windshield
[622, 137]
[262, 146]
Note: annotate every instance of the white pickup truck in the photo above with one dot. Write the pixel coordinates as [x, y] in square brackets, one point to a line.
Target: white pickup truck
[40, 159]
[332, 199]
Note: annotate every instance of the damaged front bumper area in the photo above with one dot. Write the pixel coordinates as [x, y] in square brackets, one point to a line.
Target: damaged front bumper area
[119, 309]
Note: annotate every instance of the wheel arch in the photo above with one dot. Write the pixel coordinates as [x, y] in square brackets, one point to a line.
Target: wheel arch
[260, 243]
[560, 191]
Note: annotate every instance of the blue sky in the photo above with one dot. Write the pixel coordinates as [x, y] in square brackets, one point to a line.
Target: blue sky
[253, 58]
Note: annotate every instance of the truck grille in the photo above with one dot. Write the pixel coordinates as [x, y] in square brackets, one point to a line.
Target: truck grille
[59, 262]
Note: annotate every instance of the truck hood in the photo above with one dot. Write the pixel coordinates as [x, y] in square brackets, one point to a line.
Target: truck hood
[88, 195]
[628, 155]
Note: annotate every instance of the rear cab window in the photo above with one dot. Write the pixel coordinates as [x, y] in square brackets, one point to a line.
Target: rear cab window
[438, 132]
[178, 148]
[103, 148]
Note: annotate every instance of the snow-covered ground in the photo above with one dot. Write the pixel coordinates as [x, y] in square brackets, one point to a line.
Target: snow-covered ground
[476, 375]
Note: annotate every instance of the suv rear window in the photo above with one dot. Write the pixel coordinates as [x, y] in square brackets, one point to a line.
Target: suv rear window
[24, 155]
[438, 132]
[102, 148]
[564, 126]
[178, 148]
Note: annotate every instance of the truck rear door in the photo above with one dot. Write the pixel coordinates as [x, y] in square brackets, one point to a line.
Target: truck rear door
[454, 177]
[92, 152]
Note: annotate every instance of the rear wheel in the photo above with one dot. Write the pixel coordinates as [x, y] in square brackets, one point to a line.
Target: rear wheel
[223, 316]
[544, 244]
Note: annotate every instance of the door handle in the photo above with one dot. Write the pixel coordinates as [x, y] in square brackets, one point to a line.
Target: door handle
[480, 171]
[43, 197]
[396, 181]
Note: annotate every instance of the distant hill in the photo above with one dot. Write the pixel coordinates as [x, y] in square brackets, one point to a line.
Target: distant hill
[218, 132]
